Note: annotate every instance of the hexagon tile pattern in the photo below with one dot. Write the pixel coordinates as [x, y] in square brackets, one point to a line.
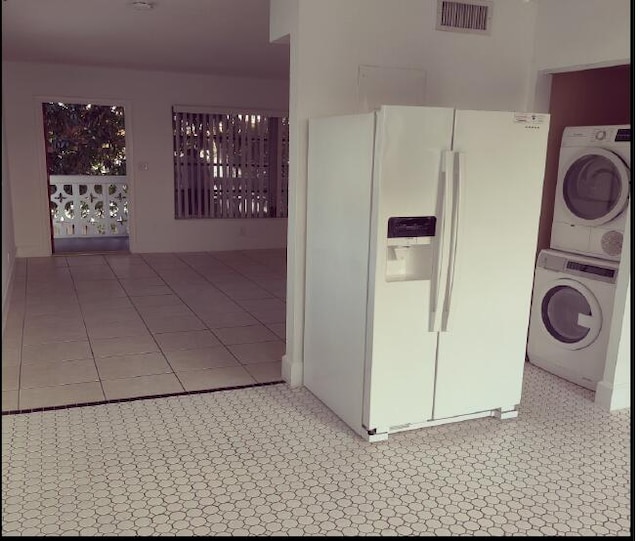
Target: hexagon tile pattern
[274, 460]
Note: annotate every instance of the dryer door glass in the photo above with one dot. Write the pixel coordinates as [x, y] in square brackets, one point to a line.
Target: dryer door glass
[592, 187]
[562, 309]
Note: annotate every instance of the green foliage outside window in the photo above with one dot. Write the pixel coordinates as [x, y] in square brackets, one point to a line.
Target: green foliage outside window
[84, 139]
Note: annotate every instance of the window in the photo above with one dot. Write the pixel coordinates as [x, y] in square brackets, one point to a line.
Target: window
[230, 164]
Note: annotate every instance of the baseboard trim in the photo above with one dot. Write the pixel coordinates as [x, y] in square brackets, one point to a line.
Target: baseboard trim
[6, 294]
[613, 397]
[292, 372]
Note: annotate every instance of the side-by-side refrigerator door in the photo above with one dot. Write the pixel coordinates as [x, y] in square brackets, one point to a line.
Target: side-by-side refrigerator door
[411, 143]
[499, 162]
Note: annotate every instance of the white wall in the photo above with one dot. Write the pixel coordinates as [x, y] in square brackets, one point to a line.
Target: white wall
[576, 34]
[582, 33]
[8, 244]
[332, 38]
[614, 390]
[283, 15]
[147, 97]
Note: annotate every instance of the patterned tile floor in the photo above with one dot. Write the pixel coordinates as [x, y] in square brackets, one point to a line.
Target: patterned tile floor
[258, 461]
[91, 328]
[273, 460]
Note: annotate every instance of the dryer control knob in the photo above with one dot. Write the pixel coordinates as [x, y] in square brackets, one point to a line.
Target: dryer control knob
[600, 135]
[611, 243]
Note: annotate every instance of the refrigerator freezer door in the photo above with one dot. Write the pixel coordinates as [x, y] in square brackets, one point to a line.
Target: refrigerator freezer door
[481, 355]
[338, 221]
[399, 376]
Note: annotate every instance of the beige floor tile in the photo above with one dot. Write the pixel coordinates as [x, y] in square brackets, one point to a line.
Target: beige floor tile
[278, 328]
[148, 291]
[226, 320]
[244, 335]
[14, 328]
[196, 359]
[52, 320]
[206, 292]
[158, 264]
[270, 316]
[165, 311]
[215, 378]
[116, 329]
[134, 283]
[13, 341]
[10, 378]
[111, 315]
[157, 300]
[260, 352]
[42, 336]
[89, 286]
[56, 351]
[57, 373]
[128, 366]
[261, 304]
[205, 307]
[266, 372]
[63, 300]
[83, 260]
[56, 307]
[173, 323]
[77, 393]
[15, 319]
[126, 345]
[142, 386]
[35, 291]
[246, 292]
[9, 400]
[110, 290]
[47, 262]
[89, 273]
[175, 341]
[104, 303]
[52, 323]
[49, 275]
[11, 356]
[134, 272]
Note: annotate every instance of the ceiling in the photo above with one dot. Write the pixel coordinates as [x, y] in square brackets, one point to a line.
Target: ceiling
[229, 37]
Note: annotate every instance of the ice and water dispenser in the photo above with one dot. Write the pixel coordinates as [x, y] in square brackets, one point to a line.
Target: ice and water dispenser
[409, 248]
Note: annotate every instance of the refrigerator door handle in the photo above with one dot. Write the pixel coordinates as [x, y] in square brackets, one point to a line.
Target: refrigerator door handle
[455, 186]
[444, 251]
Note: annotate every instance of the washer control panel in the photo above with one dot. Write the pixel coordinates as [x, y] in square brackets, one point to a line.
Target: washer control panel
[558, 263]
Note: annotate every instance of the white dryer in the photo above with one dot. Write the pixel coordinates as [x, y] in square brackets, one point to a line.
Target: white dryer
[592, 191]
[571, 315]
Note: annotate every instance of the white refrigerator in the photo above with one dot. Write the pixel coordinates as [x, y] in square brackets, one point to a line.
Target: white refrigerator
[422, 228]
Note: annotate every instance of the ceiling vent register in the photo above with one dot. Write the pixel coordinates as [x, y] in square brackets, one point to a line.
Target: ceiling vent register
[468, 17]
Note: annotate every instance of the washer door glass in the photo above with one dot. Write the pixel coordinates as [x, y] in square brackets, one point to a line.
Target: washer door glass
[595, 187]
[564, 308]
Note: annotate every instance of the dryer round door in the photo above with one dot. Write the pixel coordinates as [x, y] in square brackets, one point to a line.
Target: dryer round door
[595, 186]
[570, 313]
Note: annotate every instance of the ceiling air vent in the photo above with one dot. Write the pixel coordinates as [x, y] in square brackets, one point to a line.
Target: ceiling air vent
[473, 17]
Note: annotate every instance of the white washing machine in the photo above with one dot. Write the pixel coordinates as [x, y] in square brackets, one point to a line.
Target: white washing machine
[571, 315]
[592, 191]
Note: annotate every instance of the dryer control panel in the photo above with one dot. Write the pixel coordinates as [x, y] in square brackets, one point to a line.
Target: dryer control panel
[595, 135]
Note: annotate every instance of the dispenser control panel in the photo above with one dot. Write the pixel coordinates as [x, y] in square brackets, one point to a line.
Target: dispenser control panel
[411, 226]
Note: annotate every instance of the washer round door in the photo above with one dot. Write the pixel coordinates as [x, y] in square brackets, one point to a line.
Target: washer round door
[595, 186]
[570, 313]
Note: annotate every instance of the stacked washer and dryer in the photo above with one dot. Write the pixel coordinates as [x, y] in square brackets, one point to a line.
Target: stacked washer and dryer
[575, 280]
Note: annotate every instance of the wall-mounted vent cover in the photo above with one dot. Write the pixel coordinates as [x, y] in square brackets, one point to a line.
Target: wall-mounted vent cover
[473, 17]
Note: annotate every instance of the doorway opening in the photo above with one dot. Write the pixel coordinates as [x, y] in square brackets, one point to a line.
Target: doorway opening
[87, 177]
